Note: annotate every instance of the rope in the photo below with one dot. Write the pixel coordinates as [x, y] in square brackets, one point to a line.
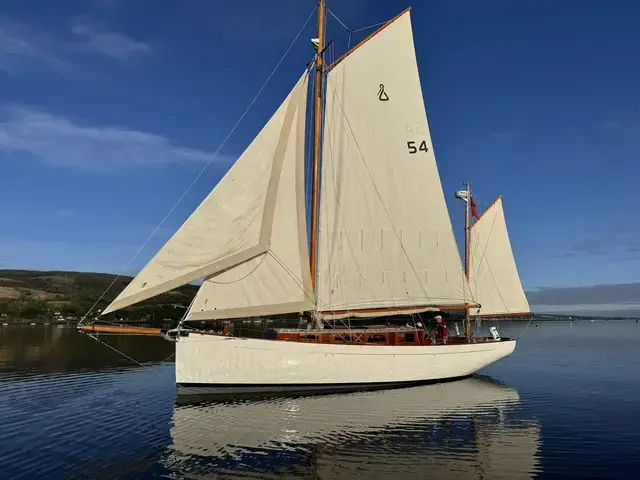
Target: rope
[525, 328]
[338, 20]
[203, 168]
[241, 278]
[371, 218]
[370, 26]
[379, 195]
[128, 357]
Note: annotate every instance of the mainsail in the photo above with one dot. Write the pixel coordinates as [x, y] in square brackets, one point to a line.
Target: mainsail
[386, 240]
[241, 220]
[494, 280]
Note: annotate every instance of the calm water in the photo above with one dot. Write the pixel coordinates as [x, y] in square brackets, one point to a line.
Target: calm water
[565, 404]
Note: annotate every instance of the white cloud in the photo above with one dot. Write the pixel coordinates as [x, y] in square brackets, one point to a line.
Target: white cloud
[115, 45]
[61, 141]
[23, 45]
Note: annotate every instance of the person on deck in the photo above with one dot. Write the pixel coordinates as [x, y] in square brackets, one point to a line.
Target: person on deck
[441, 330]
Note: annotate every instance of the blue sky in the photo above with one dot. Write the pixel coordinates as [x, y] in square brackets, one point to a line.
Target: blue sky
[109, 108]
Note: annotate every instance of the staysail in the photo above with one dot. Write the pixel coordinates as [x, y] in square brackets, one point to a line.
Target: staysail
[385, 240]
[279, 280]
[493, 277]
[238, 223]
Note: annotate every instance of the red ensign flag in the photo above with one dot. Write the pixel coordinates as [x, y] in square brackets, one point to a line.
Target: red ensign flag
[474, 210]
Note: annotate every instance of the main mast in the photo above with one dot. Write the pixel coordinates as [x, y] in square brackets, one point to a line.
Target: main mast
[317, 133]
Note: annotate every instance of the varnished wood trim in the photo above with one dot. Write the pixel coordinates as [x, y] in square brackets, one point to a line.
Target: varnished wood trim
[504, 315]
[401, 309]
[317, 134]
[486, 210]
[458, 307]
[365, 40]
[119, 329]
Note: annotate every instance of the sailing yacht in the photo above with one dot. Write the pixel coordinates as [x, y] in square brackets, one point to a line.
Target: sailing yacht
[373, 243]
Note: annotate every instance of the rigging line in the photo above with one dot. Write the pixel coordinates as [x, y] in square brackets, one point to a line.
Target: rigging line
[301, 284]
[382, 203]
[377, 240]
[525, 328]
[338, 20]
[264, 255]
[295, 278]
[486, 245]
[186, 312]
[204, 168]
[337, 198]
[344, 285]
[504, 304]
[481, 260]
[370, 26]
[127, 356]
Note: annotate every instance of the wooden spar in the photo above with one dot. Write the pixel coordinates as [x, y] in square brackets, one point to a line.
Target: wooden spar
[119, 329]
[403, 311]
[504, 315]
[316, 146]
[467, 247]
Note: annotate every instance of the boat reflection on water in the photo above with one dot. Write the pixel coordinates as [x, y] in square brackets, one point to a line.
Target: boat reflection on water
[463, 429]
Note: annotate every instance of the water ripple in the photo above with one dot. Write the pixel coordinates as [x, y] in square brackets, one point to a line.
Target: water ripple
[70, 408]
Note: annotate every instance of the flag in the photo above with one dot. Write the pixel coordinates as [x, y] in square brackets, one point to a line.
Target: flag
[474, 210]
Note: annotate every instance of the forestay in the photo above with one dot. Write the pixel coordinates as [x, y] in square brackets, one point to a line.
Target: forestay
[494, 280]
[385, 239]
[279, 280]
[234, 224]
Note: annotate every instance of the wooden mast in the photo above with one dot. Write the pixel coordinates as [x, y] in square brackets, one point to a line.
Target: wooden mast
[467, 245]
[316, 147]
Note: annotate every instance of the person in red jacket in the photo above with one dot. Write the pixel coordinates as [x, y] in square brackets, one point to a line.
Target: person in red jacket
[441, 330]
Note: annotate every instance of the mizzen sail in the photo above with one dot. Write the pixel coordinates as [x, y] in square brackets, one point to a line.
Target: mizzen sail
[234, 224]
[493, 277]
[386, 239]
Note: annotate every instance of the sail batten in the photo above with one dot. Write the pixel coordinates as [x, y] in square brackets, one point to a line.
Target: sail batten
[234, 225]
[386, 239]
[493, 277]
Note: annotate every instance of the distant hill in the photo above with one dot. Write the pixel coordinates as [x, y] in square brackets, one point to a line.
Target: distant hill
[29, 294]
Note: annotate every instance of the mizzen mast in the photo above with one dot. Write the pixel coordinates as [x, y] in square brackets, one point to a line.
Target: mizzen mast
[465, 195]
[467, 255]
[317, 133]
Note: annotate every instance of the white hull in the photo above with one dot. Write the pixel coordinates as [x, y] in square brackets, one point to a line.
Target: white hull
[216, 364]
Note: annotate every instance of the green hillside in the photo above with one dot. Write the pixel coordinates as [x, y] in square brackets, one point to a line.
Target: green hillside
[38, 295]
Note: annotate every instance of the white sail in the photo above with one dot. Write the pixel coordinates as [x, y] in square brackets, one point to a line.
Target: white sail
[233, 224]
[493, 277]
[279, 280]
[385, 239]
